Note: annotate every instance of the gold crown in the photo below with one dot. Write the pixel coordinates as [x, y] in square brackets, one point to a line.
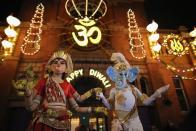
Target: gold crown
[58, 54]
[120, 66]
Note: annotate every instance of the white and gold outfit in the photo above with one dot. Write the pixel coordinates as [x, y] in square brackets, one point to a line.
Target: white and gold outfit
[124, 98]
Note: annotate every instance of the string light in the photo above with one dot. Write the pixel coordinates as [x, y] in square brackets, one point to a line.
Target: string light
[32, 40]
[193, 43]
[82, 9]
[188, 78]
[176, 45]
[178, 70]
[135, 38]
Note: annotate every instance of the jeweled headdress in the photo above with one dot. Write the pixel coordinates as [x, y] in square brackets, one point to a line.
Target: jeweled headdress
[120, 63]
[62, 55]
[120, 66]
[58, 54]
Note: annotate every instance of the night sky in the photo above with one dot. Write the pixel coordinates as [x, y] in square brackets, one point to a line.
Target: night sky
[169, 14]
[8, 7]
[172, 13]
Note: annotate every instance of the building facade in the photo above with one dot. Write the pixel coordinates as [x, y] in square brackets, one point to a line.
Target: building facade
[56, 34]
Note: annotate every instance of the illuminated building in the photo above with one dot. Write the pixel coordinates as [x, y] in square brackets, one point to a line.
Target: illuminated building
[113, 35]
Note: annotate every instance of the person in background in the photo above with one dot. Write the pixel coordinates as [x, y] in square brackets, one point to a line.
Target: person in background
[48, 100]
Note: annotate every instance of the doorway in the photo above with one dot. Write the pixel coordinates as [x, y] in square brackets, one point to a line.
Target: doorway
[96, 121]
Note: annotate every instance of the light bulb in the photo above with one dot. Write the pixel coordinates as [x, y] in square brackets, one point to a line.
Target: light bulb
[154, 37]
[193, 33]
[156, 47]
[10, 32]
[6, 44]
[152, 27]
[13, 21]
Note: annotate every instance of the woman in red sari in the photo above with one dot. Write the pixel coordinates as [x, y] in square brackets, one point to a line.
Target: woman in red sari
[50, 96]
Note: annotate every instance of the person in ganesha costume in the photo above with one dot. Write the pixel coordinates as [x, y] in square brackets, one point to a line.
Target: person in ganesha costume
[124, 97]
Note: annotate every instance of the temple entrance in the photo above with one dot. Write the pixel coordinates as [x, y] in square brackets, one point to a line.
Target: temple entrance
[96, 121]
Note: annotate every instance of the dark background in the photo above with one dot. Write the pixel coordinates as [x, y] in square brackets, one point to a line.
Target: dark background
[172, 13]
[167, 13]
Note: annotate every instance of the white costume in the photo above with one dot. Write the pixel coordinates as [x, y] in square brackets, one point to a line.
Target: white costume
[124, 98]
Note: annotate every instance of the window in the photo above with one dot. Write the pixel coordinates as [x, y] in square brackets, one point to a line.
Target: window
[180, 94]
[144, 84]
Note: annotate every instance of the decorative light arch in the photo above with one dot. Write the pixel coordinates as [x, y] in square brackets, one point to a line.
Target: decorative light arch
[91, 72]
[87, 13]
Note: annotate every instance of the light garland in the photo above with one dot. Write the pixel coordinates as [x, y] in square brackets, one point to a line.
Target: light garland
[193, 43]
[177, 70]
[135, 38]
[185, 77]
[32, 40]
[188, 78]
[170, 67]
[80, 7]
[176, 45]
[193, 46]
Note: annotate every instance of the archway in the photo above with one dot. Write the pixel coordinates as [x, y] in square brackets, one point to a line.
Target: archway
[94, 120]
[83, 84]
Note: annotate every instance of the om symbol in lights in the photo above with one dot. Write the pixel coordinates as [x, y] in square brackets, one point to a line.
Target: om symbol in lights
[86, 31]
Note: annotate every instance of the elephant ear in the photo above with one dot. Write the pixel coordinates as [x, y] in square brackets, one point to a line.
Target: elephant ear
[132, 74]
[112, 73]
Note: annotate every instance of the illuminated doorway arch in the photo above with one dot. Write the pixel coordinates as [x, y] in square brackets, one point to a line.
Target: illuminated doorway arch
[96, 120]
[83, 84]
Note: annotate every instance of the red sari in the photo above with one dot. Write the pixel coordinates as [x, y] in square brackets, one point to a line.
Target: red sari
[52, 113]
